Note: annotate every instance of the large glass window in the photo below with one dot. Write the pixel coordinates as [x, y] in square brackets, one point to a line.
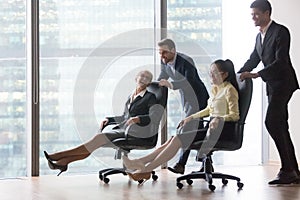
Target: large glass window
[90, 53]
[12, 89]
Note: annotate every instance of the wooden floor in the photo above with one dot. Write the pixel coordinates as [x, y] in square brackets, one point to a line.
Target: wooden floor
[88, 187]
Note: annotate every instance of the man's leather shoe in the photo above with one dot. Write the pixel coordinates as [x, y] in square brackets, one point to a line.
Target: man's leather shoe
[285, 178]
[178, 169]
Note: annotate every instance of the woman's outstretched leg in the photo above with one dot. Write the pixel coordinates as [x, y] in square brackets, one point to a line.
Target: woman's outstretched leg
[165, 155]
[139, 163]
[80, 152]
[161, 155]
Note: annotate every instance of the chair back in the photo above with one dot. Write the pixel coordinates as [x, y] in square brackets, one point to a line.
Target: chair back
[245, 96]
[130, 143]
[245, 89]
[236, 137]
[161, 94]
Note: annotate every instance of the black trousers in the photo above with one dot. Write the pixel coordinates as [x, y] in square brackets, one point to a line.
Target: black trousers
[276, 122]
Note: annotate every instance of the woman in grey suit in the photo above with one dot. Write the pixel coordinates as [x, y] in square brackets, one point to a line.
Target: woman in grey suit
[272, 48]
[139, 111]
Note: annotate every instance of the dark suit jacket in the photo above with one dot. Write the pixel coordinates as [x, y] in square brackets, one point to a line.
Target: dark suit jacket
[278, 72]
[144, 108]
[186, 79]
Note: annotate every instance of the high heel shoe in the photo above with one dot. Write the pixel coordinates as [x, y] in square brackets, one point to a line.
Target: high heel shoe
[139, 176]
[47, 156]
[62, 168]
[133, 164]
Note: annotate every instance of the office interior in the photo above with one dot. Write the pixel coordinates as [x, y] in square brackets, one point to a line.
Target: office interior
[67, 64]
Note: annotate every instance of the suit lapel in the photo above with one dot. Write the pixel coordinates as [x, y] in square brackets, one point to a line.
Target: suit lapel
[268, 35]
[178, 64]
[134, 102]
[259, 45]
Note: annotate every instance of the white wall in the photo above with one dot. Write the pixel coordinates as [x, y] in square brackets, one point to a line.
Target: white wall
[287, 13]
[239, 35]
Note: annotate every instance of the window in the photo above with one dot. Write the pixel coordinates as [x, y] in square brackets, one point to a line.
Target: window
[12, 89]
[90, 53]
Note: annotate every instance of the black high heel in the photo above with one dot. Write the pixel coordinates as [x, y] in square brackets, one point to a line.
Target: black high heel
[62, 168]
[47, 156]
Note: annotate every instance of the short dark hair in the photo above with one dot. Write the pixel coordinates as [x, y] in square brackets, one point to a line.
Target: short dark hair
[262, 5]
[168, 42]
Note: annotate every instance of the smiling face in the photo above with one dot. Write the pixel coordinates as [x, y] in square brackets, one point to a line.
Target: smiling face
[143, 79]
[166, 54]
[217, 77]
[260, 18]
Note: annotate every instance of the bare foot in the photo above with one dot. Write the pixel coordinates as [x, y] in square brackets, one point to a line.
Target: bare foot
[138, 176]
[134, 164]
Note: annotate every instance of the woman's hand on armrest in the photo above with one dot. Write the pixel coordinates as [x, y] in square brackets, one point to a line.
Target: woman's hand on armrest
[103, 124]
[184, 122]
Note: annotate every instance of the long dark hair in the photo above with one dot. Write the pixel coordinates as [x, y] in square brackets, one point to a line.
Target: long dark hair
[227, 66]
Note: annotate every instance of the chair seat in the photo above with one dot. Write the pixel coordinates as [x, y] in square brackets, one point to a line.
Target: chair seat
[224, 146]
[134, 143]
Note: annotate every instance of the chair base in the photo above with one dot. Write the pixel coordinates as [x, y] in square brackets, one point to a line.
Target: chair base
[209, 178]
[208, 175]
[110, 171]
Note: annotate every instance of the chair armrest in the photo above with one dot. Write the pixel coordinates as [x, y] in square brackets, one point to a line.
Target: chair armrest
[115, 119]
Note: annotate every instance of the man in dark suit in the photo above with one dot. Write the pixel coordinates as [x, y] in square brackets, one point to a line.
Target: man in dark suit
[181, 69]
[272, 48]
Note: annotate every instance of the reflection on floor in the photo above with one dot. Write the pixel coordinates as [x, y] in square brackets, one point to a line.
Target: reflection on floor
[83, 187]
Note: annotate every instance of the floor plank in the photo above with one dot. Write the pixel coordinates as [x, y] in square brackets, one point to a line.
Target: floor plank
[88, 187]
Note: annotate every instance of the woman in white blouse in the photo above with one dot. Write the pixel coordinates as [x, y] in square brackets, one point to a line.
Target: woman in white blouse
[222, 109]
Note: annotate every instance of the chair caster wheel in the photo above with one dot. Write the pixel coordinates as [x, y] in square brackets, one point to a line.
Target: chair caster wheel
[101, 177]
[179, 185]
[212, 187]
[106, 180]
[240, 185]
[189, 181]
[224, 181]
[141, 181]
[154, 177]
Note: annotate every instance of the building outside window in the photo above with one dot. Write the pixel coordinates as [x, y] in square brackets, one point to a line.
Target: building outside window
[90, 52]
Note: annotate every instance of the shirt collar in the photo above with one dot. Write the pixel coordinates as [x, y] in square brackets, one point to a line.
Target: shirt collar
[141, 93]
[264, 30]
[172, 63]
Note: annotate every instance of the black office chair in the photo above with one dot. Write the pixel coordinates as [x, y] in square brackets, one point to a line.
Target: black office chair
[245, 95]
[128, 143]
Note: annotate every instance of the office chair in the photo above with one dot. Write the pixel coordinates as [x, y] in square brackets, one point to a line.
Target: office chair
[207, 173]
[128, 143]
